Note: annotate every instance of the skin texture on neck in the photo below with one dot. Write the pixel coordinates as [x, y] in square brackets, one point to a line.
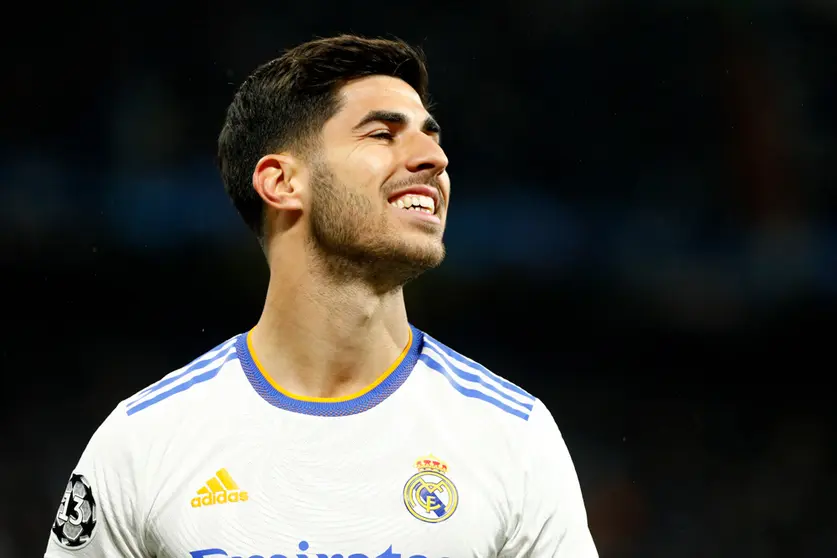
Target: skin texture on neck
[320, 337]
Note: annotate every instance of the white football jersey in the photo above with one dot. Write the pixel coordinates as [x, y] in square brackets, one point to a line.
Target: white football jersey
[439, 458]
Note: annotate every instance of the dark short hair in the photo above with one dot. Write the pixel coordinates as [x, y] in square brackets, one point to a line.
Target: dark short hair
[284, 104]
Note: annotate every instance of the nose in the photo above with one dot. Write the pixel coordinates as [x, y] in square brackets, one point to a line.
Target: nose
[426, 154]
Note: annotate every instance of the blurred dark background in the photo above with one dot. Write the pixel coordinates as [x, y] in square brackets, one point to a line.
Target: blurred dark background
[643, 233]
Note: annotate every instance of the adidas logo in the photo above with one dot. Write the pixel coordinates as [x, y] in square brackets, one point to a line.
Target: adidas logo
[220, 489]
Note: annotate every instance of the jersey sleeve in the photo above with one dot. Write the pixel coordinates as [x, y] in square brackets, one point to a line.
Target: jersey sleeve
[98, 514]
[552, 519]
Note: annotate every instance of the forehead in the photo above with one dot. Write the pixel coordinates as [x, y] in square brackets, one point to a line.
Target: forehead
[363, 95]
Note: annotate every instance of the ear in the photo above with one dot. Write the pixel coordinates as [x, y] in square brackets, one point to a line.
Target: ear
[277, 179]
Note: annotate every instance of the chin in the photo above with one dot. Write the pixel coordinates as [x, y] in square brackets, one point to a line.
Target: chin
[412, 258]
[426, 257]
[388, 262]
[421, 246]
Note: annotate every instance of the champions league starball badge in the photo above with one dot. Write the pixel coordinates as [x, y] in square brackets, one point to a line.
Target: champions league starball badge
[76, 518]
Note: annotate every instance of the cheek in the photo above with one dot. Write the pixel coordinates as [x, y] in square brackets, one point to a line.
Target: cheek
[445, 187]
[369, 167]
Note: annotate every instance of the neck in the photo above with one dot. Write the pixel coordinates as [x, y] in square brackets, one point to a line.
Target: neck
[323, 337]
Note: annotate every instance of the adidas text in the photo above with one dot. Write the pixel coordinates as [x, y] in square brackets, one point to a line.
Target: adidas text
[219, 498]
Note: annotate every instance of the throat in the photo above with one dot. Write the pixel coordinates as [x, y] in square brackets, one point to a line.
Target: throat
[308, 364]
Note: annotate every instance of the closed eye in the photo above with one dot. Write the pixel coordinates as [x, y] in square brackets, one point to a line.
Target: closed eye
[385, 135]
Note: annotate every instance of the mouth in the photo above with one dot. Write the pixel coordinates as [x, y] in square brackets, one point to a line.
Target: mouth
[421, 200]
[413, 202]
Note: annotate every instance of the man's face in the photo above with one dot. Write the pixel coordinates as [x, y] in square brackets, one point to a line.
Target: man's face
[379, 189]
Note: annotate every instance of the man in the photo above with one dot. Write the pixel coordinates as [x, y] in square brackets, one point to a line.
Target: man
[333, 428]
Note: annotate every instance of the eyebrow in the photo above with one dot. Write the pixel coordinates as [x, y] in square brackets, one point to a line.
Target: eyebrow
[391, 117]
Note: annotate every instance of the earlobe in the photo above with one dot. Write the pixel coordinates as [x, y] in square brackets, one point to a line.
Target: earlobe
[275, 181]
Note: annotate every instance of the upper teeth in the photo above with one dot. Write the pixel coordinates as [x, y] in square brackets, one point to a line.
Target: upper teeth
[415, 202]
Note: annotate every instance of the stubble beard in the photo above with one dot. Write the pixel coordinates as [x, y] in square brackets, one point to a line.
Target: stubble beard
[354, 242]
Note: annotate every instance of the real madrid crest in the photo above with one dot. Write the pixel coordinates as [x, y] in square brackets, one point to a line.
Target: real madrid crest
[429, 494]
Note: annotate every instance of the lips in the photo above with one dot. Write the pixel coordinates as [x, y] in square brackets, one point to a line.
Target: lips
[421, 198]
[415, 202]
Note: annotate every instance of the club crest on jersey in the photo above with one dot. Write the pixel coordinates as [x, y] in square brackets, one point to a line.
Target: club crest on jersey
[75, 521]
[429, 494]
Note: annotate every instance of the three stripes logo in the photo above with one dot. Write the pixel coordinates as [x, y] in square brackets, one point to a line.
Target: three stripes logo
[220, 489]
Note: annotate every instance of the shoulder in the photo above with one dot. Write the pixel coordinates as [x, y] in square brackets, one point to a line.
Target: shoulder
[136, 449]
[127, 419]
[140, 430]
[467, 378]
[200, 370]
